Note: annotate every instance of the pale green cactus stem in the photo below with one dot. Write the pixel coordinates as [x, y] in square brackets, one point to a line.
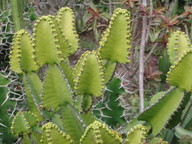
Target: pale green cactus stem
[22, 124]
[179, 73]
[66, 21]
[159, 114]
[116, 40]
[47, 48]
[88, 78]
[99, 133]
[178, 44]
[56, 91]
[52, 135]
[22, 57]
[136, 135]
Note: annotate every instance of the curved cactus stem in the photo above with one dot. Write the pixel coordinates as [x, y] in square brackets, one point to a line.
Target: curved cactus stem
[56, 90]
[136, 135]
[65, 18]
[115, 41]
[22, 122]
[33, 87]
[68, 71]
[99, 133]
[177, 46]
[72, 123]
[52, 135]
[179, 74]
[22, 54]
[46, 41]
[160, 113]
[88, 75]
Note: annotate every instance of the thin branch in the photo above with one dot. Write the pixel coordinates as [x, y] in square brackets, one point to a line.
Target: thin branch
[141, 59]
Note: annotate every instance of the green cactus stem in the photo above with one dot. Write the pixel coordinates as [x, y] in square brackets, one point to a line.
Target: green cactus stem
[17, 11]
[46, 42]
[52, 135]
[136, 135]
[33, 87]
[109, 68]
[56, 90]
[22, 122]
[116, 40]
[72, 123]
[159, 114]
[178, 44]
[179, 73]
[22, 57]
[5, 119]
[68, 71]
[65, 18]
[88, 75]
[109, 109]
[99, 133]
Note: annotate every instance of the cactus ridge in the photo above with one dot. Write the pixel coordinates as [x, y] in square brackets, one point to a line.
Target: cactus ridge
[118, 46]
[136, 135]
[99, 133]
[66, 21]
[52, 134]
[177, 46]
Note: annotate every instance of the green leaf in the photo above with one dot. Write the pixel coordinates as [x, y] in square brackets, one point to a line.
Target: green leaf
[115, 41]
[159, 114]
[88, 75]
[52, 134]
[56, 90]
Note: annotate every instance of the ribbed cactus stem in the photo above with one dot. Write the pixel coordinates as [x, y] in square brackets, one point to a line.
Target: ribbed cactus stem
[17, 11]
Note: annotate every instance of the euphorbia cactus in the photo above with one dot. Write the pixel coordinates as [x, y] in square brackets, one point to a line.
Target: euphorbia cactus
[63, 96]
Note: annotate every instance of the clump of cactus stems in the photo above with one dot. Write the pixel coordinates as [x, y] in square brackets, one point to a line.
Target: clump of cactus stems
[60, 102]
